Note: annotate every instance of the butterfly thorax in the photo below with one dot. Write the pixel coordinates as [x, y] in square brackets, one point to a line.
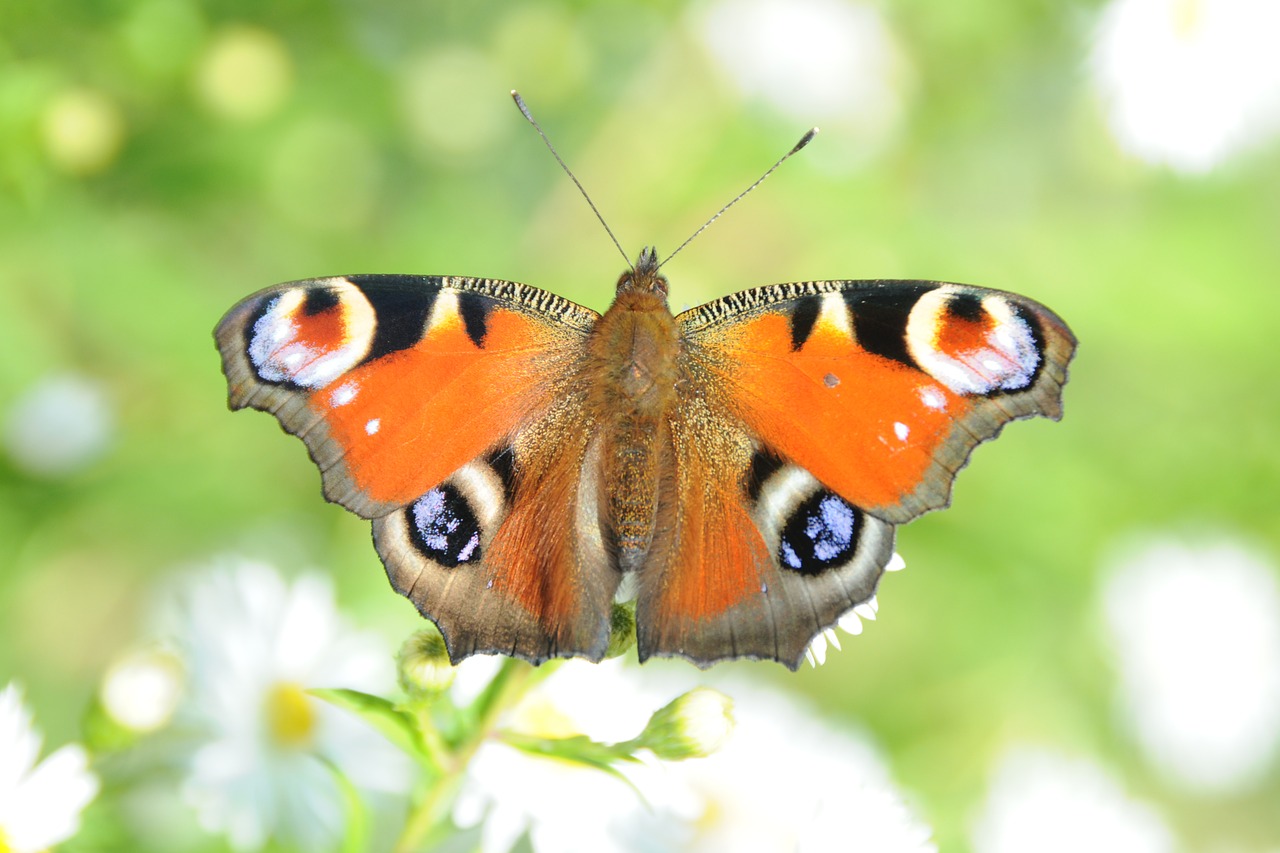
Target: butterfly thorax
[634, 366]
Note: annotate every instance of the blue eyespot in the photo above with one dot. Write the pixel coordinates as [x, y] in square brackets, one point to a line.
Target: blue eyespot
[821, 533]
[444, 528]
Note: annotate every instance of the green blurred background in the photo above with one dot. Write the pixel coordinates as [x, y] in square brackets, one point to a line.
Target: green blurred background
[160, 159]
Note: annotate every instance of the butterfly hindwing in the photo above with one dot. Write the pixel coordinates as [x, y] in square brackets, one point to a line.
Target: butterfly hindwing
[755, 556]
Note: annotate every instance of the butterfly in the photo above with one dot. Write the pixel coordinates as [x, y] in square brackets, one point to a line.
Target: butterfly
[738, 469]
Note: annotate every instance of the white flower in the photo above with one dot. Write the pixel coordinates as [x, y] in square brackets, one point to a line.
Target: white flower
[782, 781]
[253, 644]
[1196, 632]
[829, 62]
[563, 806]
[1044, 802]
[142, 688]
[40, 804]
[787, 781]
[1188, 83]
[62, 424]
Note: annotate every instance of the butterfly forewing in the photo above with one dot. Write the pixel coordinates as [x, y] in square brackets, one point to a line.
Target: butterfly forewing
[881, 389]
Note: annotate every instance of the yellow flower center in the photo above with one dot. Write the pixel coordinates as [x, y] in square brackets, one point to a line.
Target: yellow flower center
[291, 716]
[1186, 16]
[4, 845]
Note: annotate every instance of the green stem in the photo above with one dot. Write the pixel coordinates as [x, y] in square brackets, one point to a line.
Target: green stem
[512, 681]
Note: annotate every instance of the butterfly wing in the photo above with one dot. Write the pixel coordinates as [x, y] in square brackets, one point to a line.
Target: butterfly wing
[816, 416]
[448, 411]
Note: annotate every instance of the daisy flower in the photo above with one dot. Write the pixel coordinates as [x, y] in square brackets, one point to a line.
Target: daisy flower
[818, 779]
[559, 806]
[61, 425]
[253, 644]
[1195, 631]
[788, 781]
[1045, 802]
[40, 804]
[831, 62]
[1188, 83]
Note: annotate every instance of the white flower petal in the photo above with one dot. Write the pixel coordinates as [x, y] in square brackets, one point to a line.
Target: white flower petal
[1043, 802]
[1203, 699]
[21, 743]
[1188, 83]
[46, 807]
[40, 804]
[816, 654]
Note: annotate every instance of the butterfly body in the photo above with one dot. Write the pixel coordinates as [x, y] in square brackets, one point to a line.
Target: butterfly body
[631, 373]
[738, 468]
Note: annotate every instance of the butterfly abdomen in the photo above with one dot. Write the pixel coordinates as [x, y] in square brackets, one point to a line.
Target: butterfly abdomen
[633, 368]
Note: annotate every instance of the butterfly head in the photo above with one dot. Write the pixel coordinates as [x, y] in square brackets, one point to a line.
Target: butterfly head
[644, 277]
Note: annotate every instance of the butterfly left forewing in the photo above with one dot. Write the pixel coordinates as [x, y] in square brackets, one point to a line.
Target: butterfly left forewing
[394, 382]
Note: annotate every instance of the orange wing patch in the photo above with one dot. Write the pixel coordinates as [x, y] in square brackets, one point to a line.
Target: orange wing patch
[865, 426]
[403, 433]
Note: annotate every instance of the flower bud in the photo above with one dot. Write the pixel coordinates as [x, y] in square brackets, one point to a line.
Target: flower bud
[422, 665]
[622, 629]
[692, 725]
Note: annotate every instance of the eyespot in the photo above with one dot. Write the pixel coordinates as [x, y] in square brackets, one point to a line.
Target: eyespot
[443, 526]
[308, 336]
[821, 533]
[973, 344]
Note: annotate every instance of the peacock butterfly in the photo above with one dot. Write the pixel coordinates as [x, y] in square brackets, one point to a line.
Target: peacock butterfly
[741, 466]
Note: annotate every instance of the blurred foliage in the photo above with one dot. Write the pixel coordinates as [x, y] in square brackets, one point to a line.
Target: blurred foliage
[392, 146]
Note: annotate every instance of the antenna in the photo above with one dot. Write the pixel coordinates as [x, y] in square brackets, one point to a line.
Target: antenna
[528, 115]
[804, 140]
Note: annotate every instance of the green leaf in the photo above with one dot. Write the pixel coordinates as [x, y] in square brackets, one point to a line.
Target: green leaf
[395, 725]
[578, 748]
[355, 828]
